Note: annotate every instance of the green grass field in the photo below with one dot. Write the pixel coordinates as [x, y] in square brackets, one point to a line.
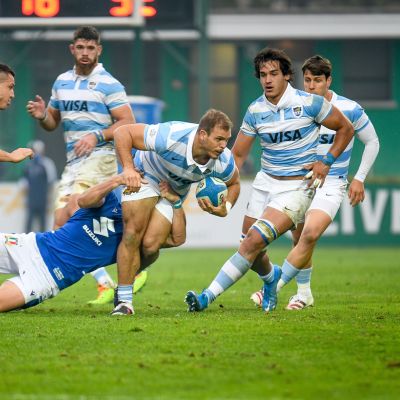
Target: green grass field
[346, 347]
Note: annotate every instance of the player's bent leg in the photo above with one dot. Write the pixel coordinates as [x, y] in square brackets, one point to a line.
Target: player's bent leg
[230, 273]
[105, 287]
[11, 297]
[136, 216]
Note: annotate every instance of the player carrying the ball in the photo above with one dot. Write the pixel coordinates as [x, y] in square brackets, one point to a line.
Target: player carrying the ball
[177, 152]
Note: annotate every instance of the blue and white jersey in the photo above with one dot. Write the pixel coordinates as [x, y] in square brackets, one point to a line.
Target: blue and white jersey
[170, 157]
[355, 113]
[288, 131]
[88, 240]
[85, 103]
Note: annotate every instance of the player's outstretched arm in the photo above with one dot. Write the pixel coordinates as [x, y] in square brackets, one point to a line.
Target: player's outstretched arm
[94, 196]
[49, 117]
[17, 155]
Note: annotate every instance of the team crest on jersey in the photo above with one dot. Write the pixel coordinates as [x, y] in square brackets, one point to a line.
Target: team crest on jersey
[92, 85]
[297, 111]
[11, 240]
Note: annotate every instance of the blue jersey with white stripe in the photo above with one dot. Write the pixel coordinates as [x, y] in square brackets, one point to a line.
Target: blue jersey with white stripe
[88, 240]
[358, 118]
[288, 131]
[170, 157]
[84, 103]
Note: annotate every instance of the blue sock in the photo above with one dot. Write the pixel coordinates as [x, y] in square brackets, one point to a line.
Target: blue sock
[304, 276]
[125, 293]
[231, 272]
[288, 271]
[303, 280]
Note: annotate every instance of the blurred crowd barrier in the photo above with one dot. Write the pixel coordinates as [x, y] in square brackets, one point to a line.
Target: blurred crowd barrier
[375, 222]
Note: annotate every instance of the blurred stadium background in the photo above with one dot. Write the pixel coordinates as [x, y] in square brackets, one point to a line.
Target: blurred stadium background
[193, 55]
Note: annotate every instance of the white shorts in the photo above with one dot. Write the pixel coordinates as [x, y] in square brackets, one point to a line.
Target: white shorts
[292, 197]
[146, 191]
[330, 196]
[90, 171]
[20, 255]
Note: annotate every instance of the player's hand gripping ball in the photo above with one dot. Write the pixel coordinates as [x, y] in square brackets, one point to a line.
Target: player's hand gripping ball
[213, 189]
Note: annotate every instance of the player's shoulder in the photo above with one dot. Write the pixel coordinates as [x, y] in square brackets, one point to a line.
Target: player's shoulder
[105, 77]
[65, 76]
[176, 130]
[305, 98]
[344, 103]
[257, 105]
[226, 156]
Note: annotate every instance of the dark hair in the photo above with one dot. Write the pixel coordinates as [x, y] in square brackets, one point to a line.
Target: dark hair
[318, 65]
[5, 69]
[268, 54]
[87, 33]
[213, 118]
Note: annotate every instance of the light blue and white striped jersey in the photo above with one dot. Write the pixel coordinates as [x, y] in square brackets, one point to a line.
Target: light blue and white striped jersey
[288, 131]
[85, 103]
[355, 113]
[170, 157]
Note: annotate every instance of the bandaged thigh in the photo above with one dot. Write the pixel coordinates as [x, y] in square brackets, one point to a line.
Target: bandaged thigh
[266, 229]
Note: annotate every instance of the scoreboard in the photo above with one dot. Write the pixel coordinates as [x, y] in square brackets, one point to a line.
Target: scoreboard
[157, 14]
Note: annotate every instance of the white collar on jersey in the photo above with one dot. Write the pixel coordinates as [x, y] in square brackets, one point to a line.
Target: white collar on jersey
[285, 100]
[189, 153]
[98, 68]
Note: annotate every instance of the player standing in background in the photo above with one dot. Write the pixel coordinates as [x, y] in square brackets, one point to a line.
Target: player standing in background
[177, 152]
[317, 73]
[90, 104]
[7, 85]
[287, 122]
[45, 263]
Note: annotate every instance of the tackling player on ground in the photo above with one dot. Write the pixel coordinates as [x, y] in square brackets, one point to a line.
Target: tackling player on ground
[46, 263]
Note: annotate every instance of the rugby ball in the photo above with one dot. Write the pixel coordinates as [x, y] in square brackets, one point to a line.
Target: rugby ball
[213, 189]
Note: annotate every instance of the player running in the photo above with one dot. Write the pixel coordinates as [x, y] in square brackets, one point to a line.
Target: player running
[287, 122]
[317, 73]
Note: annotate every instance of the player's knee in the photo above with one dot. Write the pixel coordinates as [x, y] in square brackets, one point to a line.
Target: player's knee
[131, 238]
[150, 246]
[310, 236]
[264, 232]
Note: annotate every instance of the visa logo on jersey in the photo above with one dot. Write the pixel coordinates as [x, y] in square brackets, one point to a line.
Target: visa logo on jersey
[74, 105]
[289, 136]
